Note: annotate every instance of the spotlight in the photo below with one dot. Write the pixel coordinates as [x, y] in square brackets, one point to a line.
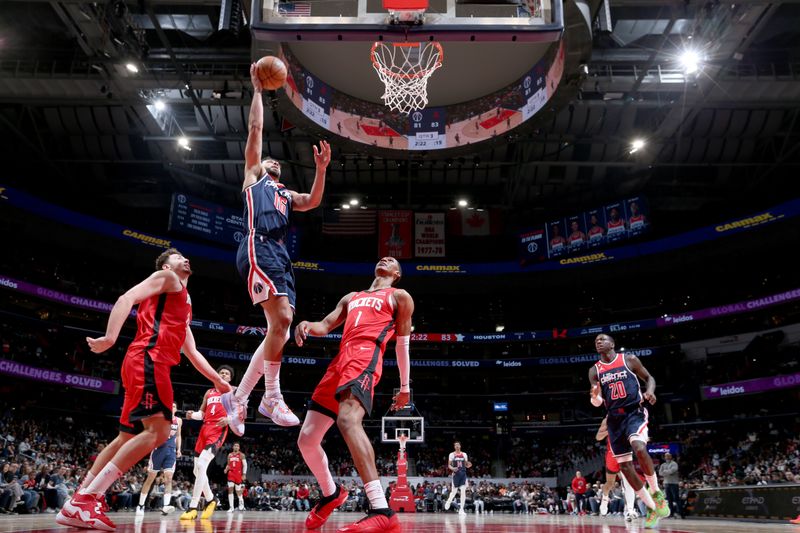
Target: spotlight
[637, 145]
[160, 105]
[690, 61]
[183, 142]
[463, 203]
[354, 201]
[499, 327]
[345, 206]
[132, 68]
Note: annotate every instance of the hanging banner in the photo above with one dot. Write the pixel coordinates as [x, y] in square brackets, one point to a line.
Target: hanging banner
[429, 234]
[395, 234]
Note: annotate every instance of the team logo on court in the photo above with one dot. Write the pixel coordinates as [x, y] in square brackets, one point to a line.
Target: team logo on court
[258, 288]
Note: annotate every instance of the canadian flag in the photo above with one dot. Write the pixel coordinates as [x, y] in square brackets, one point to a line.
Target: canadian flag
[474, 222]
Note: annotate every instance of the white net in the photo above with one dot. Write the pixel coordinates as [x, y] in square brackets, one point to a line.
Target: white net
[404, 69]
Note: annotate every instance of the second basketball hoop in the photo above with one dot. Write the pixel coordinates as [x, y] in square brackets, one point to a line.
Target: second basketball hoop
[404, 69]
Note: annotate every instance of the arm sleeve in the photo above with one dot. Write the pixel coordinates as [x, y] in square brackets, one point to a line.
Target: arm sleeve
[197, 415]
[403, 362]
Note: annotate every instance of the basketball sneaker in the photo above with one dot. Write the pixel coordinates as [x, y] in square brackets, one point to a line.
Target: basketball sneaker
[209, 510]
[376, 521]
[230, 509]
[662, 505]
[604, 506]
[275, 408]
[190, 514]
[140, 510]
[652, 518]
[324, 507]
[167, 509]
[85, 511]
[241, 507]
[796, 520]
[236, 410]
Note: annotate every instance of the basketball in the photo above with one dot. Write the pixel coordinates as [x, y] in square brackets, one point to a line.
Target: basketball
[272, 72]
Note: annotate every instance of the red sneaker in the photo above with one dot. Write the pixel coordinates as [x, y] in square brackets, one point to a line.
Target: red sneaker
[796, 520]
[320, 513]
[375, 522]
[85, 511]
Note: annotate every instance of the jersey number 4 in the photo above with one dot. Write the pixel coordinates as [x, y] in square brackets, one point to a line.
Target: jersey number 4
[618, 390]
[281, 204]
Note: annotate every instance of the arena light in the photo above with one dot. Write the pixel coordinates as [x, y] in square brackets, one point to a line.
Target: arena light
[463, 203]
[132, 68]
[345, 206]
[499, 327]
[637, 145]
[690, 61]
[160, 105]
[354, 201]
[183, 142]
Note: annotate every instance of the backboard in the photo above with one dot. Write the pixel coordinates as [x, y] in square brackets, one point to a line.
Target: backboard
[411, 426]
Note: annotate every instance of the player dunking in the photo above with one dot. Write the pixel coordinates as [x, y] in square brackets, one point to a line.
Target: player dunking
[614, 382]
[163, 459]
[264, 264]
[211, 438]
[457, 463]
[345, 393]
[162, 332]
[236, 470]
[612, 472]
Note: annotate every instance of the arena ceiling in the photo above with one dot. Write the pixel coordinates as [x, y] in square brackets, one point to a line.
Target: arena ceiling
[76, 122]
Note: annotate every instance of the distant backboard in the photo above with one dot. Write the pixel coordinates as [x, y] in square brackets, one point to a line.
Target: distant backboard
[443, 20]
[411, 426]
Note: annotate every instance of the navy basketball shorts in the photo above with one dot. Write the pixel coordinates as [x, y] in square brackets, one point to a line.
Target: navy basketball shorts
[625, 427]
[163, 459]
[264, 264]
[459, 478]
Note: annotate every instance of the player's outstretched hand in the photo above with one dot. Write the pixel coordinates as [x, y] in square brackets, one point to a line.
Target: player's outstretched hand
[301, 331]
[322, 156]
[254, 78]
[400, 400]
[650, 397]
[100, 344]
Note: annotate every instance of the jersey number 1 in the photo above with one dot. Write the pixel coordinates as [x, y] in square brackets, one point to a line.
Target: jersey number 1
[618, 390]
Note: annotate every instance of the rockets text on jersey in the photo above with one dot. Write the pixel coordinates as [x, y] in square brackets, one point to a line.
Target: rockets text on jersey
[370, 317]
[620, 386]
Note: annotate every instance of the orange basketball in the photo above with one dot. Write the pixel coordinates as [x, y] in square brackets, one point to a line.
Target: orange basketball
[272, 72]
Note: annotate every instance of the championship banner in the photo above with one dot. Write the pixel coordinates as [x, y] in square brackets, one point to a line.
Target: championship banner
[68, 379]
[751, 386]
[395, 233]
[429, 235]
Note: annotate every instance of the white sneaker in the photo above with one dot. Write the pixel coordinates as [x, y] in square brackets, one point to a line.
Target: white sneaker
[604, 507]
[275, 408]
[446, 506]
[167, 509]
[629, 517]
[140, 510]
[236, 410]
[241, 508]
[462, 512]
[230, 509]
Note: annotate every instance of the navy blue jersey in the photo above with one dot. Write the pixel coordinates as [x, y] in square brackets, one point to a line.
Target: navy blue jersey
[171, 442]
[620, 386]
[267, 205]
[458, 460]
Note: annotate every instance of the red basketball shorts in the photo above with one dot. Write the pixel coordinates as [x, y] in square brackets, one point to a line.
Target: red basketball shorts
[148, 391]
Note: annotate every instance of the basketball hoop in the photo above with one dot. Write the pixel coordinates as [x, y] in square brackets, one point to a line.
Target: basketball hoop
[402, 439]
[404, 69]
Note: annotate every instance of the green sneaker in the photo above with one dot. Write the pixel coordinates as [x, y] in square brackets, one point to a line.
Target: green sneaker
[662, 505]
[651, 520]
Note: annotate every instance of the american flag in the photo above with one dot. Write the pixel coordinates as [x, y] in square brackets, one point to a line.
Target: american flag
[349, 222]
[294, 9]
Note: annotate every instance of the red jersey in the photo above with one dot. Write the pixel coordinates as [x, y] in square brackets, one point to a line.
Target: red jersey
[615, 226]
[161, 323]
[214, 410]
[370, 318]
[235, 467]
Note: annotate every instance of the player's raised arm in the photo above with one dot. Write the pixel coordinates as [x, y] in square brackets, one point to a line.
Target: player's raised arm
[255, 128]
[638, 368]
[308, 201]
[201, 364]
[405, 310]
[158, 282]
[319, 329]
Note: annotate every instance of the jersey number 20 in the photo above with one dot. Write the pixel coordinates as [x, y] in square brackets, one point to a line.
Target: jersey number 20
[618, 390]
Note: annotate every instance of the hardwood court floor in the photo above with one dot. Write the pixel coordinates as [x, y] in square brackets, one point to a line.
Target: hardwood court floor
[291, 522]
